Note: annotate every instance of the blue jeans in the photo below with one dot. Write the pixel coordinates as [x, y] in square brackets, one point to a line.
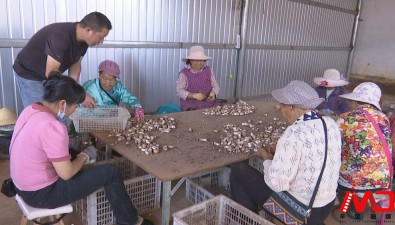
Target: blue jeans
[64, 192]
[31, 90]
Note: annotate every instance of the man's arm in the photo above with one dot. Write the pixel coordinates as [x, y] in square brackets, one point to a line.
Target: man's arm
[52, 64]
[75, 70]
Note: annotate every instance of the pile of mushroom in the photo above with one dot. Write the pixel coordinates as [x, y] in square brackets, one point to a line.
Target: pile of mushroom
[250, 136]
[139, 134]
[246, 137]
[240, 108]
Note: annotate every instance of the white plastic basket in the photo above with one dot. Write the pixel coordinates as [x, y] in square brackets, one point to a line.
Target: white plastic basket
[256, 162]
[206, 185]
[218, 211]
[144, 191]
[100, 118]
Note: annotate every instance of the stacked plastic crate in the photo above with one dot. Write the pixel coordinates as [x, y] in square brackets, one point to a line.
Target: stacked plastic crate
[143, 189]
[207, 185]
[219, 210]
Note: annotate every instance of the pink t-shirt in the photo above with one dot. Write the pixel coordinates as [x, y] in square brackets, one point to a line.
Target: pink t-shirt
[38, 140]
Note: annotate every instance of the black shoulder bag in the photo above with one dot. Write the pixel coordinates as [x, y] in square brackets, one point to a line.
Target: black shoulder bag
[8, 188]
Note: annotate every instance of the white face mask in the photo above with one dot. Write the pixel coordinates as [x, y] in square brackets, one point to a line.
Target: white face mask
[61, 115]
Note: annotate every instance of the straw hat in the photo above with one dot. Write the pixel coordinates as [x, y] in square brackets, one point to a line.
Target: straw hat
[7, 117]
[196, 53]
[299, 94]
[366, 92]
[331, 78]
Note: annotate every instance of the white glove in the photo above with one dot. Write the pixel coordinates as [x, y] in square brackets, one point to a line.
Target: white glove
[91, 153]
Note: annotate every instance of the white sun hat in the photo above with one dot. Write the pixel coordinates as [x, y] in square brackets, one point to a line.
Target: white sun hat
[331, 78]
[196, 53]
[367, 92]
[298, 93]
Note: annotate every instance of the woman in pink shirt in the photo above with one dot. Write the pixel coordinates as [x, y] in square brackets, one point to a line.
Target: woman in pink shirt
[196, 84]
[40, 164]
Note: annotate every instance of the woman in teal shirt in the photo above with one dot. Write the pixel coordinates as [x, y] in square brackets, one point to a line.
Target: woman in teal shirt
[108, 91]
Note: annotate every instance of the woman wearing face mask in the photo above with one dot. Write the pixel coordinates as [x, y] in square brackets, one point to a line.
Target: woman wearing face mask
[196, 84]
[40, 164]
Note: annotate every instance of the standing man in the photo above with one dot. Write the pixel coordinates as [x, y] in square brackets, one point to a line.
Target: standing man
[58, 46]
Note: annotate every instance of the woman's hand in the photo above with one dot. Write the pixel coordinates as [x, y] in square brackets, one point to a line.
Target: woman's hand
[211, 97]
[89, 101]
[326, 112]
[265, 154]
[199, 96]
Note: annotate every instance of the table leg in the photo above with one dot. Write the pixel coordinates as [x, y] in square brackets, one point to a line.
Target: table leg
[108, 152]
[175, 189]
[166, 203]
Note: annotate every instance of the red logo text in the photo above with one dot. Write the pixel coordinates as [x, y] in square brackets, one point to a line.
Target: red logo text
[351, 197]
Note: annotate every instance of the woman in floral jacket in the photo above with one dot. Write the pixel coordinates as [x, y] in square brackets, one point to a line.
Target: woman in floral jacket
[364, 161]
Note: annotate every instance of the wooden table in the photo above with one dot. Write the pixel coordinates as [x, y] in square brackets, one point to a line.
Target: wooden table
[190, 156]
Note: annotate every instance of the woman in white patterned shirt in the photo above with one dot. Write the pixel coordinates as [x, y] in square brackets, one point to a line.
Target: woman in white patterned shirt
[298, 158]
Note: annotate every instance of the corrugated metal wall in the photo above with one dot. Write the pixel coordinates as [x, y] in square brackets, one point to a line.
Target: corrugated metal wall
[149, 37]
[148, 40]
[287, 40]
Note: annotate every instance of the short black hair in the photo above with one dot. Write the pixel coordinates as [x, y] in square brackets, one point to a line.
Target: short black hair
[96, 21]
[59, 87]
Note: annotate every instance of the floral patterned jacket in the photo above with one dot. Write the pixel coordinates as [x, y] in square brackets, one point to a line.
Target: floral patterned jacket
[364, 162]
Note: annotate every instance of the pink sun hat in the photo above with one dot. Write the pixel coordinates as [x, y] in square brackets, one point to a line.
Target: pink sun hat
[110, 67]
[196, 53]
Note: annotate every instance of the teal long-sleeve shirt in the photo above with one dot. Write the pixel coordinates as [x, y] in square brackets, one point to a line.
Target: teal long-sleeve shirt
[119, 93]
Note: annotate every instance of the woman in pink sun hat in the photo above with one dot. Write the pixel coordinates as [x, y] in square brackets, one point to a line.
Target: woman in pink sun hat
[331, 85]
[107, 90]
[196, 84]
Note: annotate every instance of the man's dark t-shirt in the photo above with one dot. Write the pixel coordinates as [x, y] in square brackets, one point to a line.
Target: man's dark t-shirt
[59, 40]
